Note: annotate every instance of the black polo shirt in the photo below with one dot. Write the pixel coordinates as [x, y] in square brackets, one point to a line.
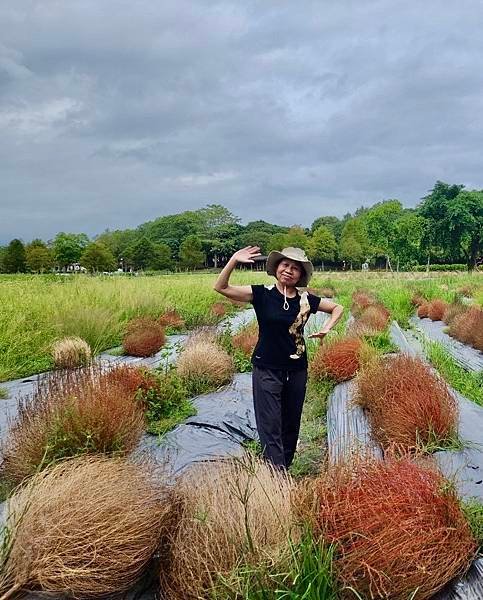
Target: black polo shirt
[281, 344]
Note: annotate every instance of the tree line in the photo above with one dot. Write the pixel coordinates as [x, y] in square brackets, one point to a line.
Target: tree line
[445, 228]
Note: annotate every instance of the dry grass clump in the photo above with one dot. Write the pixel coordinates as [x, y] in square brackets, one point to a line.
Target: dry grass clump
[326, 292]
[423, 310]
[478, 339]
[132, 379]
[467, 327]
[205, 333]
[398, 527]
[436, 309]
[408, 404]
[246, 339]
[87, 527]
[357, 328]
[375, 317]
[338, 359]
[204, 365]
[417, 299]
[71, 352]
[466, 290]
[228, 511]
[218, 309]
[71, 413]
[171, 318]
[453, 310]
[144, 337]
[362, 299]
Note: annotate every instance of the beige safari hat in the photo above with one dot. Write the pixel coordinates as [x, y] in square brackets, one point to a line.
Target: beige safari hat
[296, 254]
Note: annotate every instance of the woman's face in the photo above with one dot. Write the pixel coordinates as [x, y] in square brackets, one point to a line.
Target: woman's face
[288, 272]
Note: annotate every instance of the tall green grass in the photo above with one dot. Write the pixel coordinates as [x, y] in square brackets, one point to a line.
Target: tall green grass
[35, 310]
[469, 384]
[305, 572]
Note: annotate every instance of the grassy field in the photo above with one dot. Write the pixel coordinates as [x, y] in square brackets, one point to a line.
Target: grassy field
[37, 310]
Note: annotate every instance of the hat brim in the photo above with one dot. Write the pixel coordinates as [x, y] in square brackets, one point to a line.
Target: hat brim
[275, 257]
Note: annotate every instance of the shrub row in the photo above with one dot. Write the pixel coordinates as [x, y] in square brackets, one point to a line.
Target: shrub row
[465, 322]
[452, 267]
[467, 327]
[143, 337]
[409, 406]
[93, 525]
[92, 410]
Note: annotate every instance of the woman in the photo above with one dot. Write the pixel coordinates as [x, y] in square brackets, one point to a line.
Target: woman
[280, 358]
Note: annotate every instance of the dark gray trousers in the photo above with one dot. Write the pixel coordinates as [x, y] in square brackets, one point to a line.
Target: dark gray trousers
[278, 398]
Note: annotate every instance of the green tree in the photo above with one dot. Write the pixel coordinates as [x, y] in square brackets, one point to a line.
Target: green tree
[333, 224]
[269, 228]
[118, 240]
[465, 224]
[97, 257]
[38, 256]
[296, 237]
[3, 250]
[380, 222]
[454, 222]
[255, 238]
[140, 254]
[161, 258]
[222, 241]
[68, 248]
[14, 257]
[408, 237]
[437, 240]
[216, 215]
[322, 246]
[172, 229]
[277, 241]
[191, 253]
[354, 242]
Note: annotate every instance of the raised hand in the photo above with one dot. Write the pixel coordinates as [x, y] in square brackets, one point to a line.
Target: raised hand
[247, 255]
[319, 334]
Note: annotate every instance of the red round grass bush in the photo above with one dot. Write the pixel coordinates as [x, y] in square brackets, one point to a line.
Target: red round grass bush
[408, 404]
[375, 317]
[171, 318]
[338, 360]
[397, 527]
[452, 311]
[423, 310]
[478, 339]
[218, 309]
[417, 299]
[72, 413]
[436, 309]
[246, 339]
[361, 299]
[467, 326]
[132, 378]
[357, 328]
[144, 337]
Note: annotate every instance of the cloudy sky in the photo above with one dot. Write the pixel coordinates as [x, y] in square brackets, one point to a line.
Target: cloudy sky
[113, 112]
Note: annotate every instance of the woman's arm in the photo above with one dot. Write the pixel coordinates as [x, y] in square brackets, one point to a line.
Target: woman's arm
[242, 293]
[335, 311]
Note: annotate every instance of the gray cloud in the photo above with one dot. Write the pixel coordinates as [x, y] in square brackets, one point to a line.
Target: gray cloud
[112, 113]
